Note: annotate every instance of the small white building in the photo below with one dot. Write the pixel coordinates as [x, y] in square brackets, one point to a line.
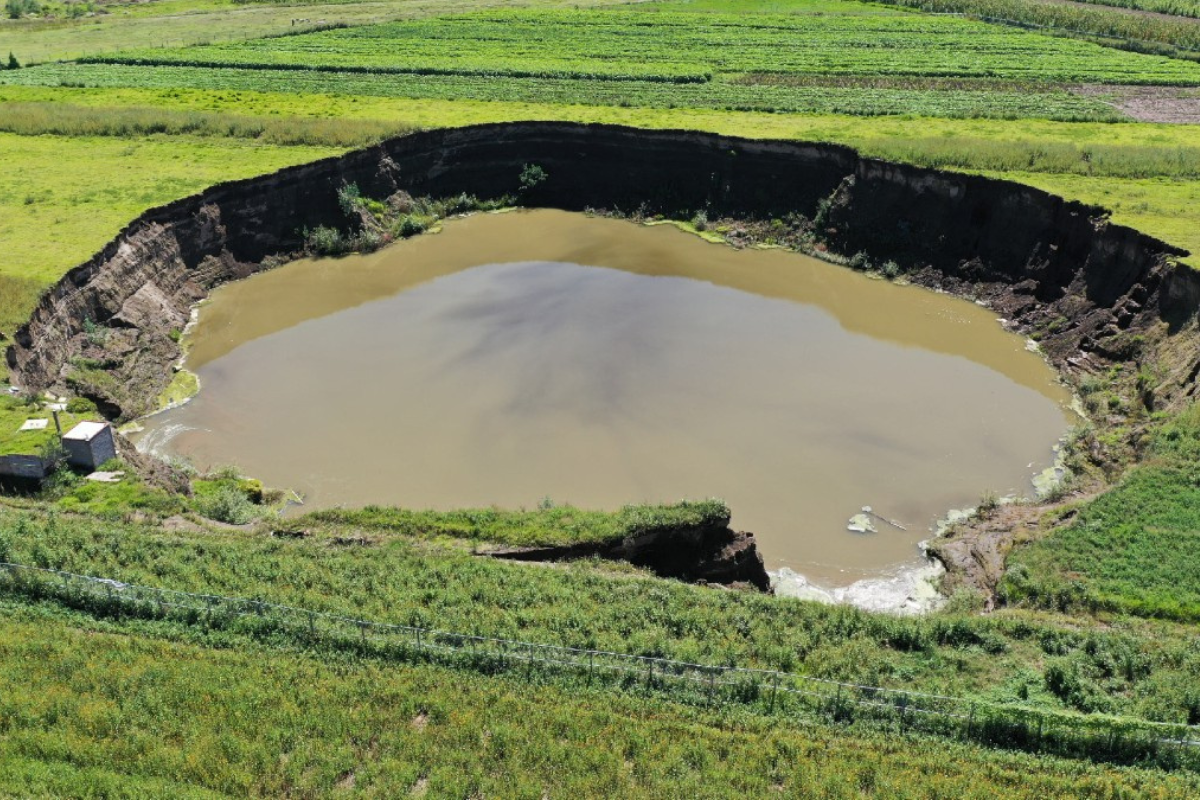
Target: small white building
[89, 444]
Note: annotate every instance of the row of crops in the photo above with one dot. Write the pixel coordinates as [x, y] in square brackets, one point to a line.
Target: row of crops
[866, 100]
[683, 47]
[885, 62]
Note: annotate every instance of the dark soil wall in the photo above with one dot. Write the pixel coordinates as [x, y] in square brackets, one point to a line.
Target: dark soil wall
[1031, 254]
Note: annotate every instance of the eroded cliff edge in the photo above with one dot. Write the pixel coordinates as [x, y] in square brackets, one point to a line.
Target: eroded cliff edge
[1093, 293]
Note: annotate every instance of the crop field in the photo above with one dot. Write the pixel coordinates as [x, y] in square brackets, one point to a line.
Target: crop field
[133, 709]
[424, 574]
[1040, 102]
[850, 63]
[1117, 27]
[685, 48]
[176, 23]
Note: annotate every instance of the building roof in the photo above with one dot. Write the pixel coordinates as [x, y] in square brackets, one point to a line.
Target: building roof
[86, 431]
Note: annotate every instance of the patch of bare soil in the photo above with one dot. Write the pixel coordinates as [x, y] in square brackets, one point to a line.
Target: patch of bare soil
[1173, 104]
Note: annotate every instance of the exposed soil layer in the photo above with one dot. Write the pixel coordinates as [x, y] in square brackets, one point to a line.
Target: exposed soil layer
[1095, 294]
[714, 554]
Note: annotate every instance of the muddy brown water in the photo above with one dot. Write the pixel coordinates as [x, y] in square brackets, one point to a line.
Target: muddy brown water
[540, 354]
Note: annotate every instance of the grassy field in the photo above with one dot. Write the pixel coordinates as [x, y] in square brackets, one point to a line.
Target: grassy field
[1132, 550]
[14, 412]
[427, 576]
[132, 709]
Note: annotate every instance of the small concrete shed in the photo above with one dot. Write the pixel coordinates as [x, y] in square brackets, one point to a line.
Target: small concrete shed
[89, 444]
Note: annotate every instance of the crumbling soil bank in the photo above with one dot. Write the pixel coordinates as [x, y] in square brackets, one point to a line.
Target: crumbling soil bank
[1094, 294]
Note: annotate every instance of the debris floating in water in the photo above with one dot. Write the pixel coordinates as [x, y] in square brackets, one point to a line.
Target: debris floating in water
[868, 512]
[861, 523]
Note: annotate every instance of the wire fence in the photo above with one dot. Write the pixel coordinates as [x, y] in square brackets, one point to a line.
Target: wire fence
[1100, 738]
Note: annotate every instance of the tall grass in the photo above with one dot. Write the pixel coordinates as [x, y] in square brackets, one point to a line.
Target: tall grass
[424, 578]
[1133, 550]
[1023, 155]
[127, 708]
[71, 120]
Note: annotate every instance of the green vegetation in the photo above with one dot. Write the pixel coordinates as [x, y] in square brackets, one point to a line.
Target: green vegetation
[811, 62]
[608, 45]
[57, 208]
[14, 411]
[1132, 550]
[427, 576]
[176, 23]
[1177, 37]
[381, 222]
[62, 119]
[553, 525]
[129, 708]
[1042, 102]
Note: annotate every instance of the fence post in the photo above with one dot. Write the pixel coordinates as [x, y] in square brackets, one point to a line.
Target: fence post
[774, 689]
[971, 721]
[837, 704]
[712, 685]
[591, 666]
[903, 710]
[419, 639]
[649, 674]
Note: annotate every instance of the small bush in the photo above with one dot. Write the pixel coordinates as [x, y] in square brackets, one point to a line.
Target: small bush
[228, 504]
[80, 405]
[531, 176]
[324, 241]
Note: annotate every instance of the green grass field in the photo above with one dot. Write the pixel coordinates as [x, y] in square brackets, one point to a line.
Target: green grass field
[139, 710]
[1132, 550]
[424, 573]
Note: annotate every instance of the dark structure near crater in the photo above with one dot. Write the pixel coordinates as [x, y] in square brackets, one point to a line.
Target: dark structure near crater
[1093, 292]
